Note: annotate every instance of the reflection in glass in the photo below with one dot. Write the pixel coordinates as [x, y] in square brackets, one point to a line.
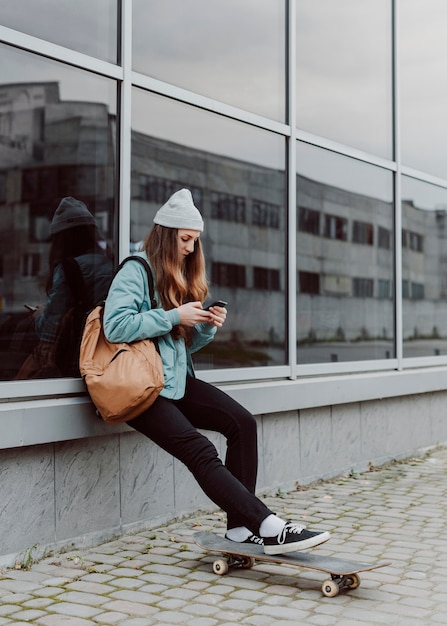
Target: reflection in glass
[345, 304]
[230, 51]
[57, 139]
[423, 55]
[424, 268]
[343, 72]
[88, 26]
[236, 176]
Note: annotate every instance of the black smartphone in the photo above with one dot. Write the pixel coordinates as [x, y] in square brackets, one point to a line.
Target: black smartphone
[221, 303]
[30, 308]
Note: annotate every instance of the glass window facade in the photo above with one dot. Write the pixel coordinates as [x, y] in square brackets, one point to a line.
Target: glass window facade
[323, 189]
[424, 268]
[237, 177]
[58, 139]
[342, 205]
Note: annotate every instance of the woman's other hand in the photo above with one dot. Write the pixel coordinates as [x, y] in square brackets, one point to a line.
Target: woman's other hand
[218, 315]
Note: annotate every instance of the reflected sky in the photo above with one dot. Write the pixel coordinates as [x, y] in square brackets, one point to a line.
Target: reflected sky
[88, 26]
[230, 50]
[423, 49]
[344, 72]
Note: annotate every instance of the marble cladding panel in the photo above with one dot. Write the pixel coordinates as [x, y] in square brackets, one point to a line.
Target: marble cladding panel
[316, 444]
[189, 496]
[438, 405]
[346, 437]
[280, 457]
[86, 486]
[379, 435]
[147, 479]
[416, 422]
[26, 498]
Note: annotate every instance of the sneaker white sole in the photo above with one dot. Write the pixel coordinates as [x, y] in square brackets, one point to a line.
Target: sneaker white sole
[297, 546]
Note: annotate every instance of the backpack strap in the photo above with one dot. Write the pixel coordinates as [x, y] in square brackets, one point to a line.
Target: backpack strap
[150, 278]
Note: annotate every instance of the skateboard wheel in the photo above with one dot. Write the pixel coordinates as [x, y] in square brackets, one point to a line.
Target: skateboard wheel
[354, 581]
[247, 562]
[220, 567]
[330, 588]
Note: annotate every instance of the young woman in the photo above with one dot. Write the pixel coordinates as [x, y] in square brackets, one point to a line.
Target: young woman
[182, 326]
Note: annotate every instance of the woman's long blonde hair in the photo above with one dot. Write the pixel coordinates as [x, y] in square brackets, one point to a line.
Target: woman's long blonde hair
[178, 280]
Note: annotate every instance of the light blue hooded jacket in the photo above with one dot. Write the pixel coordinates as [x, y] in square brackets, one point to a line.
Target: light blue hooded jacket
[128, 317]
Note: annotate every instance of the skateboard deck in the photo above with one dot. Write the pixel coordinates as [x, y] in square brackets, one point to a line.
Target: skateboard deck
[344, 573]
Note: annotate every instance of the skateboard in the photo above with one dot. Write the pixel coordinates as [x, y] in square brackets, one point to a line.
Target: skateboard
[344, 574]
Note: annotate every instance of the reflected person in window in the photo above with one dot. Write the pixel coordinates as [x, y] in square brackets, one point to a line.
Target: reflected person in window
[186, 404]
[80, 272]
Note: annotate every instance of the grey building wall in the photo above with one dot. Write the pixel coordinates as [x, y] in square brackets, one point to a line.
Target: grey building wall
[107, 480]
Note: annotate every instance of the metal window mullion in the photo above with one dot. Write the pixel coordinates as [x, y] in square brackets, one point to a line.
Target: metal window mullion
[397, 187]
[291, 189]
[125, 129]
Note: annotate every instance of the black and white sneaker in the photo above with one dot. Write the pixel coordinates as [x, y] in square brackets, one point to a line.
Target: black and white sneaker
[253, 539]
[293, 538]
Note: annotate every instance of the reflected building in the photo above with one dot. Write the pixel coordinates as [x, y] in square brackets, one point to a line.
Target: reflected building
[49, 149]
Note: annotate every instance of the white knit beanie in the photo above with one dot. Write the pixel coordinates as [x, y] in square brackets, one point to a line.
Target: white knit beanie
[70, 213]
[179, 212]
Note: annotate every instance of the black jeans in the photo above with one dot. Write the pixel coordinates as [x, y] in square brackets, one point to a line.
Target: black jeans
[173, 424]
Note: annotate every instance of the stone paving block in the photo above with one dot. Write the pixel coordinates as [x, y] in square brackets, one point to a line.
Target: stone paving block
[74, 610]
[128, 608]
[109, 618]
[62, 620]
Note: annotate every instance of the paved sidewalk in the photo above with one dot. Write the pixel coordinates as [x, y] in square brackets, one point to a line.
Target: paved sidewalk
[161, 578]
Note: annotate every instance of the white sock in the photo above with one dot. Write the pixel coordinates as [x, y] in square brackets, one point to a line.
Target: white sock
[241, 533]
[271, 526]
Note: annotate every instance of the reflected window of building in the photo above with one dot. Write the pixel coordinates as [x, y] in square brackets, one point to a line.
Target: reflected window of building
[384, 289]
[233, 52]
[265, 214]
[228, 275]
[384, 238]
[227, 207]
[265, 278]
[423, 93]
[309, 282]
[236, 174]
[337, 97]
[362, 232]
[336, 227]
[424, 268]
[58, 128]
[353, 317]
[88, 26]
[309, 221]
